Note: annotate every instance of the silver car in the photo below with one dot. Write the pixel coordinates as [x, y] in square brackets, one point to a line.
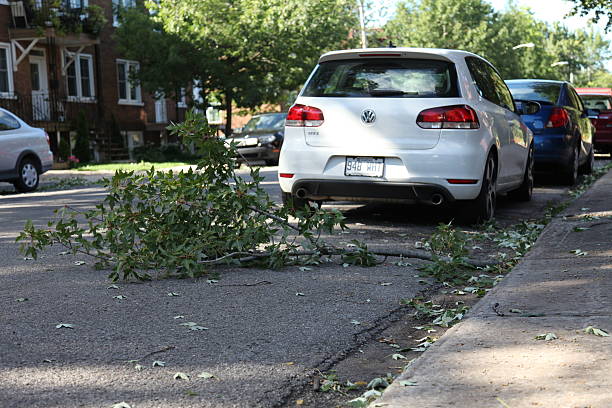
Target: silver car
[24, 152]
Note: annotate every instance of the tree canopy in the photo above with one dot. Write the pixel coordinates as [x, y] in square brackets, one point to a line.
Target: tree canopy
[245, 51]
[517, 44]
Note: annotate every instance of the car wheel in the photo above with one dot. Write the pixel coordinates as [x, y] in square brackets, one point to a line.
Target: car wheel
[589, 165]
[525, 191]
[482, 209]
[28, 176]
[571, 170]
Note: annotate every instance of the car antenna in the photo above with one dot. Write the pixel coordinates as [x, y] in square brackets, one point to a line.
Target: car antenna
[391, 45]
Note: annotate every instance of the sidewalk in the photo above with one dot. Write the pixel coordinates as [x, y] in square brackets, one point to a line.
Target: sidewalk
[494, 361]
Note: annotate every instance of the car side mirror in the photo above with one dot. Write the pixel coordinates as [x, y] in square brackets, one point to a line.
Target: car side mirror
[524, 107]
[237, 131]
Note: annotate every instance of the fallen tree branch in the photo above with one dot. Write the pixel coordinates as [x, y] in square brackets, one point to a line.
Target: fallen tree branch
[413, 254]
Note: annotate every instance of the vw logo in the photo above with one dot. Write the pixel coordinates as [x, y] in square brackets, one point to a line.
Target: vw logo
[368, 116]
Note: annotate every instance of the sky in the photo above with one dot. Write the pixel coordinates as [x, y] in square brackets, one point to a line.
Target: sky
[545, 10]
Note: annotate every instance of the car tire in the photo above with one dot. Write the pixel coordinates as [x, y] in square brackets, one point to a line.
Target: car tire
[570, 176]
[482, 208]
[29, 176]
[525, 191]
[589, 165]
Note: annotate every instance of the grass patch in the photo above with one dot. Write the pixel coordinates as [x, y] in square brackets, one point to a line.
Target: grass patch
[130, 166]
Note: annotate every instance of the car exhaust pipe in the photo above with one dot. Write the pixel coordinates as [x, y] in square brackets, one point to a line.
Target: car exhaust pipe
[437, 199]
[301, 193]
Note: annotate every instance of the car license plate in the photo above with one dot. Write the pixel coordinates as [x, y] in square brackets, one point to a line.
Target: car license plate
[250, 141]
[364, 166]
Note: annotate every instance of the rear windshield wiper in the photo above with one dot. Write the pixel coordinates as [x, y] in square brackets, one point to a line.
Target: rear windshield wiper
[391, 92]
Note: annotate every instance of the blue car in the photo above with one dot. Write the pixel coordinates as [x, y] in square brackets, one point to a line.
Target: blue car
[562, 130]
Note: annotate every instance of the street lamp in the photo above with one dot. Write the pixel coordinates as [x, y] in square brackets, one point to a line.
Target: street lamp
[525, 45]
[559, 63]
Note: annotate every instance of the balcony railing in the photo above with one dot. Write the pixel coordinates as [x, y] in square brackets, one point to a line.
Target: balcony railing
[47, 109]
[66, 16]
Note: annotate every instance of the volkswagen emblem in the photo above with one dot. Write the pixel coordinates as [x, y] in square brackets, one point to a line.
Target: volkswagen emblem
[368, 116]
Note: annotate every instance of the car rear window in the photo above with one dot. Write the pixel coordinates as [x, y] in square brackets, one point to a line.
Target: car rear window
[543, 92]
[384, 77]
[8, 121]
[600, 102]
[271, 121]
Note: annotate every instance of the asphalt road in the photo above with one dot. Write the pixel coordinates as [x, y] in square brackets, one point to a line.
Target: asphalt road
[262, 340]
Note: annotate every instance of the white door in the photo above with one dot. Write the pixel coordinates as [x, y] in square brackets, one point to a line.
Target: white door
[40, 88]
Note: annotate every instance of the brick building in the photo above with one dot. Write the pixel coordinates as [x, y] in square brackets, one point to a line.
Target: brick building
[59, 62]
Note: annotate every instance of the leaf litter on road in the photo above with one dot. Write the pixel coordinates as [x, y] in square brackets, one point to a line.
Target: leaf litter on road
[64, 326]
[181, 376]
[546, 336]
[595, 331]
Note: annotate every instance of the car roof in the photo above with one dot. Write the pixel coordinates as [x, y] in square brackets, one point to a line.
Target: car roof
[550, 81]
[594, 91]
[403, 52]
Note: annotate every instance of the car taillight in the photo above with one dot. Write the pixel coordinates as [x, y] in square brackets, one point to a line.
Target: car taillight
[304, 116]
[448, 117]
[558, 118]
[48, 139]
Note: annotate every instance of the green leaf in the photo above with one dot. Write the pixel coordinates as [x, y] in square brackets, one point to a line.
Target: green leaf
[64, 326]
[206, 375]
[173, 294]
[181, 376]
[398, 357]
[546, 336]
[595, 331]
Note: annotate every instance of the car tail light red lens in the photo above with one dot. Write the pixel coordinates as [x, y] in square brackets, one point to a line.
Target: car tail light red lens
[462, 181]
[286, 175]
[448, 117]
[558, 118]
[48, 139]
[304, 116]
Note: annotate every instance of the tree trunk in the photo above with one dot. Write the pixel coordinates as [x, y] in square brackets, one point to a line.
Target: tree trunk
[228, 112]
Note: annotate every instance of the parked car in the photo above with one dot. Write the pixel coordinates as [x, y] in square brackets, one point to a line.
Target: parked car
[562, 130]
[261, 138]
[599, 100]
[422, 125]
[24, 152]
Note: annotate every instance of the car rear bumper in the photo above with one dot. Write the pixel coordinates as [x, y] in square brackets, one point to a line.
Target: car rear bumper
[257, 153]
[353, 190]
[603, 139]
[552, 150]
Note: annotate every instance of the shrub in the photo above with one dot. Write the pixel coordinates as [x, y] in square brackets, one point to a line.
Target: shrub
[81, 147]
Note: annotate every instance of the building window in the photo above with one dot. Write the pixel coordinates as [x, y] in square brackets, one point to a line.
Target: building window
[6, 70]
[129, 91]
[119, 5]
[77, 4]
[182, 100]
[79, 76]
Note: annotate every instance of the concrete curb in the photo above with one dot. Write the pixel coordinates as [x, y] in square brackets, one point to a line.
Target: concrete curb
[494, 361]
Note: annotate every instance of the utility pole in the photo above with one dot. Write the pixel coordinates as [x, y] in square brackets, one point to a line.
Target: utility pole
[360, 5]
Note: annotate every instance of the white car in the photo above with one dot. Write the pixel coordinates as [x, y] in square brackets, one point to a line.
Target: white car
[24, 152]
[406, 124]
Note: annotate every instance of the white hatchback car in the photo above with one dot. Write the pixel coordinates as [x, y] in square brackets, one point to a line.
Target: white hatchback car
[406, 124]
[24, 152]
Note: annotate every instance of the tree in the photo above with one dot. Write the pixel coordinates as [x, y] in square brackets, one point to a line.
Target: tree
[81, 147]
[246, 51]
[599, 8]
[472, 25]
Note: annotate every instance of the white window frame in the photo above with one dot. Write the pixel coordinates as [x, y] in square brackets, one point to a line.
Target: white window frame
[9, 71]
[76, 61]
[121, 4]
[182, 100]
[128, 84]
[4, 3]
